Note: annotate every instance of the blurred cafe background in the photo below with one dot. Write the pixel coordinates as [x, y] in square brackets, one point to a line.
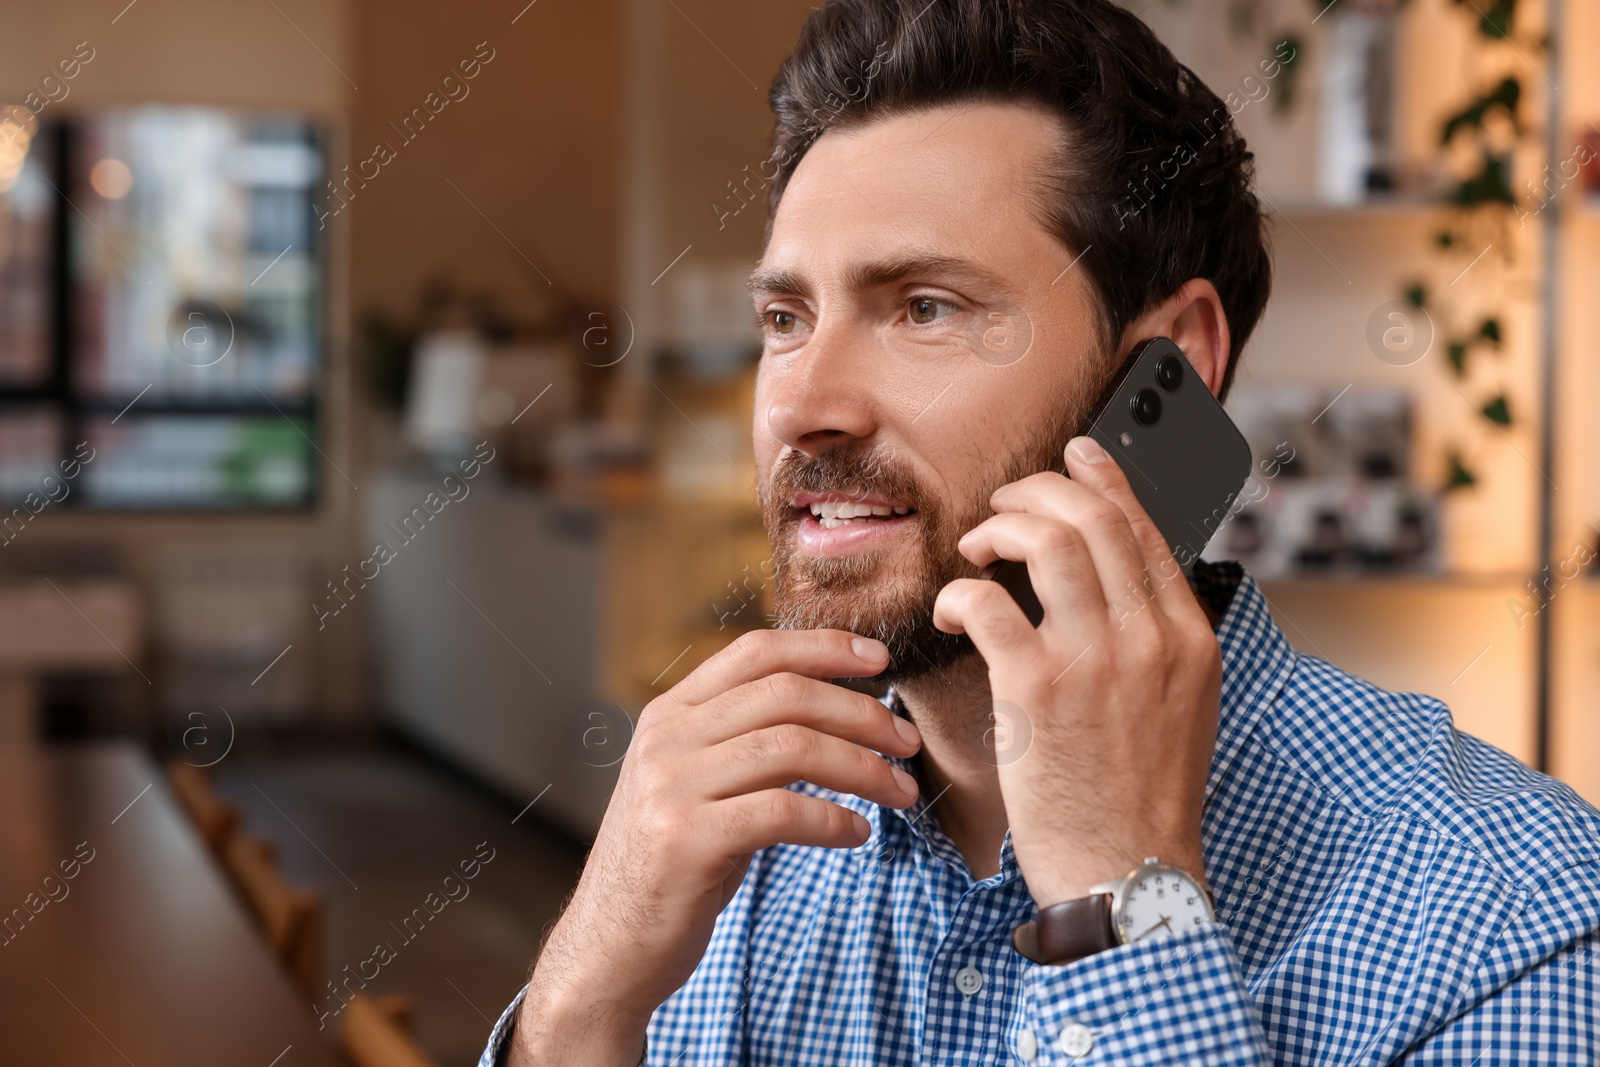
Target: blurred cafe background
[374, 445]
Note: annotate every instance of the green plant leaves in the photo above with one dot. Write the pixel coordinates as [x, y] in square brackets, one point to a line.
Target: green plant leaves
[1497, 411]
[1459, 477]
[1494, 16]
[1504, 97]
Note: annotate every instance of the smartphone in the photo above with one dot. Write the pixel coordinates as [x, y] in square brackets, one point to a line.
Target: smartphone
[1185, 459]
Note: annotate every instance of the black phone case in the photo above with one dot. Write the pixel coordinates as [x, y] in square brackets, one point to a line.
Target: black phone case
[1185, 468]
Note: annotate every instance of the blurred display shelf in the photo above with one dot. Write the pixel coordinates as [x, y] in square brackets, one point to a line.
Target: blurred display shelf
[1520, 668]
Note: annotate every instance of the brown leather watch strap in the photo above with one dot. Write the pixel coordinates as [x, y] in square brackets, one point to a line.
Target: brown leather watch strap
[1066, 932]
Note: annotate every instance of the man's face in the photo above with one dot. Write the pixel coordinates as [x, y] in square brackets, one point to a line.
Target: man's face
[926, 340]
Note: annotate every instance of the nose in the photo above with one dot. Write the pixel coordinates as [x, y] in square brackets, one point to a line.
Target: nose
[820, 397]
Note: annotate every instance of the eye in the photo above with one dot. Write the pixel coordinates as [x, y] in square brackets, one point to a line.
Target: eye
[925, 309]
[780, 322]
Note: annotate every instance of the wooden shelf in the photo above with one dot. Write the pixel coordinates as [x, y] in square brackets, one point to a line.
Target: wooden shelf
[1385, 208]
[1484, 580]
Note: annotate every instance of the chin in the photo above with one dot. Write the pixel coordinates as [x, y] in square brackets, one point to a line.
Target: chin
[923, 656]
[855, 594]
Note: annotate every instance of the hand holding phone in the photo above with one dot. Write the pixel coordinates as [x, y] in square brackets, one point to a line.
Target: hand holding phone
[1184, 458]
[1105, 715]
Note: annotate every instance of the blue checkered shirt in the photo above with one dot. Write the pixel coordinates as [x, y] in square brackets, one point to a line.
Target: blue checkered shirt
[1388, 890]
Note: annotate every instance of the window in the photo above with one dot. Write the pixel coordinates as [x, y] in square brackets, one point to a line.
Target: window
[160, 304]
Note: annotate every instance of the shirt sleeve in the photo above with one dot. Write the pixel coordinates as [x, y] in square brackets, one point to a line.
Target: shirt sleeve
[1537, 998]
[1178, 1000]
[1547, 1016]
[1184, 1000]
[499, 1046]
[494, 1053]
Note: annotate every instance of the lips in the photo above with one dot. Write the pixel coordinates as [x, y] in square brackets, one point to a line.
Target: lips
[833, 524]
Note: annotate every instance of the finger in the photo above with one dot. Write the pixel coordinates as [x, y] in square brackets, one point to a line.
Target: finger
[787, 753]
[813, 653]
[1086, 462]
[1059, 564]
[755, 821]
[985, 612]
[1103, 525]
[793, 698]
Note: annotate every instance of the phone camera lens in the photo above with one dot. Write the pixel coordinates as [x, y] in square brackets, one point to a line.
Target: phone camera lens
[1146, 407]
[1169, 372]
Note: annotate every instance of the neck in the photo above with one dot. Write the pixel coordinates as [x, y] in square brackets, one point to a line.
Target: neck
[956, 765]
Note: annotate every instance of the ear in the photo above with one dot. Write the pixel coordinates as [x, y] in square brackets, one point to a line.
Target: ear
[1192, 317]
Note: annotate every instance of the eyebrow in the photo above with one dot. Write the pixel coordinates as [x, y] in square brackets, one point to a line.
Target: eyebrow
[875, 273]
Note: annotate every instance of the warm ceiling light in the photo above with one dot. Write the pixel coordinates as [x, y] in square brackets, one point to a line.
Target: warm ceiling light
[16, 123]
[16, 131]
[13, 136]
[111, 178]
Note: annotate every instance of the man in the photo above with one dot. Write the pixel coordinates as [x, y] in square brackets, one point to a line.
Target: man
[766, 888]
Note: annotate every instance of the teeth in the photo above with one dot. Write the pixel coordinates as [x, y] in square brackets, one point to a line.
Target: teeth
[831, 513]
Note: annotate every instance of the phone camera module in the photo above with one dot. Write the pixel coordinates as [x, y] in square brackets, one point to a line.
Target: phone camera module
[1146, 407]
[1169, 372]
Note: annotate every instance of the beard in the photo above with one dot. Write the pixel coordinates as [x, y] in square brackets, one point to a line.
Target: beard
[874, 596]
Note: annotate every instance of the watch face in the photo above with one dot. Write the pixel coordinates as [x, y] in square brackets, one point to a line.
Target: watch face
[1159, 901]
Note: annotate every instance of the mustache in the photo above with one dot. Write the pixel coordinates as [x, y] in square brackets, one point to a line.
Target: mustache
[858, 472]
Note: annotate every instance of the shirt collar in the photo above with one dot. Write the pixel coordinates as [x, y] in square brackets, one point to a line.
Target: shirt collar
[1256, 663]
[1256, 658]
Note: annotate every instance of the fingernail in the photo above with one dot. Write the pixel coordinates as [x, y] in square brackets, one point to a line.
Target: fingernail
[908, 731]
[863, 828]
[1086, 450]
[908, 784]
[869, 650]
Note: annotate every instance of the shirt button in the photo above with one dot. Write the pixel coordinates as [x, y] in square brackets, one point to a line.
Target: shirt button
[1027, 1046]
[969, 980]
[1075, 1039]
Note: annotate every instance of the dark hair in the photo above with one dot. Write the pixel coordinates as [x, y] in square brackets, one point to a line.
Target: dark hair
[1153, 178]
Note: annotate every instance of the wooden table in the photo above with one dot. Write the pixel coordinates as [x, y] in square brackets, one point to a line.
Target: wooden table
[145, 957]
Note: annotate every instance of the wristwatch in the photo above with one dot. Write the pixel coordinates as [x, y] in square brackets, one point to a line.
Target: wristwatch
[1153, 900]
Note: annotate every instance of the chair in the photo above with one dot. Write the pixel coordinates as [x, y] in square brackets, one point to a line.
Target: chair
[214, 817]
[377, 1033]
[290, 917]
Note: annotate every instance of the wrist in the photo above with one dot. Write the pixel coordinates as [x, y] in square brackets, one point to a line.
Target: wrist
[565, 1024]
[1058, 887]
[1077, 875]
[1155, 899]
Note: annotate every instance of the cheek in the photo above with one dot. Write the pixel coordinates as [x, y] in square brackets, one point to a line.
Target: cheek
[960, 450]
[1015, 434]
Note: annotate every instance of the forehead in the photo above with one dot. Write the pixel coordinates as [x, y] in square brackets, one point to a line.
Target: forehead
[959, 180]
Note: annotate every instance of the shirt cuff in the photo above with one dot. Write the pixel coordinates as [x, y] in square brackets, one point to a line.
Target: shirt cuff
[494, 1054]
[1176, 1000]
